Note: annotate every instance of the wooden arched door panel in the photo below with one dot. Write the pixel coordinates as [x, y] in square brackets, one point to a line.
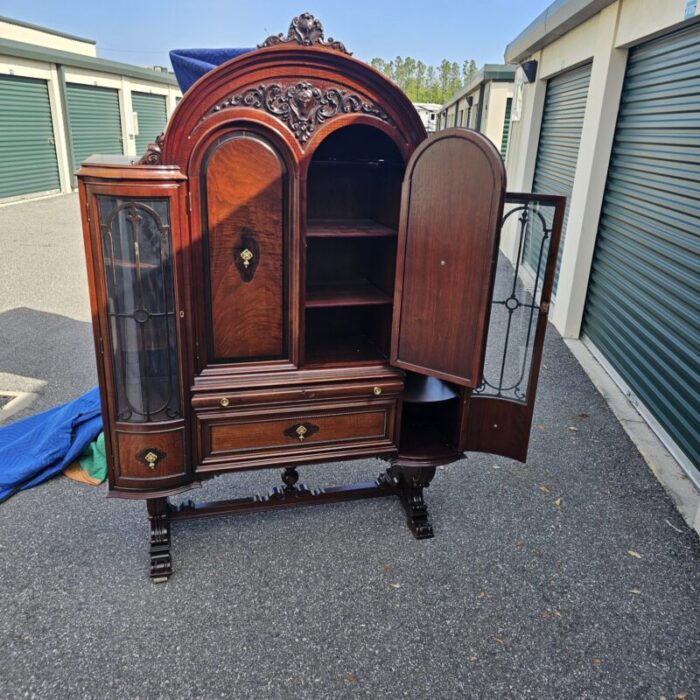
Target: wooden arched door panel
[452, 202]
[446, 307]
[245, 244]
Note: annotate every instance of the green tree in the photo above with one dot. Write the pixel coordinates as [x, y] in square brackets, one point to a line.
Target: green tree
[469, 70]
[427, 83]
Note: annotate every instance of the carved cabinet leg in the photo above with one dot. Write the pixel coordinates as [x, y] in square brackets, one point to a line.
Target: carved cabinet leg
[410, 482]
[161, 561]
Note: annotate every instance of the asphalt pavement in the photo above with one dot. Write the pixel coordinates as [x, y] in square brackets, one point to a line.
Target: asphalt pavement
[572, 576]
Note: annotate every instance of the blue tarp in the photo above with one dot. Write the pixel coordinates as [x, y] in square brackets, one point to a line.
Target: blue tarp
[36, 448]
[191, 64]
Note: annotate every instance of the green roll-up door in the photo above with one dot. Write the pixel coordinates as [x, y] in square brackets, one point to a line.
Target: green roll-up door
[506, 127]
[643, 306]
[152, 116]
[28, 160]
[94, 121]
[557, 151]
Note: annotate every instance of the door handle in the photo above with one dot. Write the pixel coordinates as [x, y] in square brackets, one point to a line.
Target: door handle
[246, 256]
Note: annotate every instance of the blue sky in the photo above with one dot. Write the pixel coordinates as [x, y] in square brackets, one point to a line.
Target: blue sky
[143, 32]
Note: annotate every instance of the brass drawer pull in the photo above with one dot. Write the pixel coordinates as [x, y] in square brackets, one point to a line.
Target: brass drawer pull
[150, 457]
[301, 431]
[224, 402]
[377, 391]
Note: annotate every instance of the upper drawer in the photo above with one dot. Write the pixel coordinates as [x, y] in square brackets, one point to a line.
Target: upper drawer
[380, 389]
[300, 434]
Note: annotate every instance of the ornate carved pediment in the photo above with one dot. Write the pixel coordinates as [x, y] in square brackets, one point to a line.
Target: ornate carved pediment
[305, 30]
[303, 106]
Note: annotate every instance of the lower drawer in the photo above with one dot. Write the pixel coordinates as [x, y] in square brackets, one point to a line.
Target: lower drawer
[263, 437]
[148, 457]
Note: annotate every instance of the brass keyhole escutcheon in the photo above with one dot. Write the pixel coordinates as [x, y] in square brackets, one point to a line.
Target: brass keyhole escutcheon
[377, 391]
[301, 432]
[151, 459]
[224, 402]
[246, 257]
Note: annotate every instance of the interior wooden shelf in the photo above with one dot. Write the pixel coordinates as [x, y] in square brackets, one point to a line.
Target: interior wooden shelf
[421, 389]
[361, 293]
[342, 349]
[347, 228]
[371, 163]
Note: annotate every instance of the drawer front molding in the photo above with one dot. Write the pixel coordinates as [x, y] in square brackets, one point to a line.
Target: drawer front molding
[247, 436]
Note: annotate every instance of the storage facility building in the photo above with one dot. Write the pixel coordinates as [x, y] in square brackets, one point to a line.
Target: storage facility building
[607, 113]
[59, 104]
[484, 104]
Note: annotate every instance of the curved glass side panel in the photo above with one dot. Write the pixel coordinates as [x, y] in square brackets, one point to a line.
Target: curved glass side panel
[136, 248]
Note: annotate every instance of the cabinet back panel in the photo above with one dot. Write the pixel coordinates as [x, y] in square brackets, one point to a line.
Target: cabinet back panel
[245, 186]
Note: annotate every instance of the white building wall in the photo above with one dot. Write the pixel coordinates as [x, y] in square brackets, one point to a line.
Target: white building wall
[30, 35]
[493, 118]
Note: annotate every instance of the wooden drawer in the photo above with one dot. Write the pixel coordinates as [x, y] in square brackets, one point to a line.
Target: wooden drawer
[391, 388]
[146, 458]
[257, 437]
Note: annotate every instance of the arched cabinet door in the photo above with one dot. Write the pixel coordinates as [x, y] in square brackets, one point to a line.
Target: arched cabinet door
[244, 184]
[451, 205]
[463, 313]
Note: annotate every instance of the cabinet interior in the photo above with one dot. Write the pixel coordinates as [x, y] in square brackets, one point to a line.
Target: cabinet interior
[353, 202]
[430, 417]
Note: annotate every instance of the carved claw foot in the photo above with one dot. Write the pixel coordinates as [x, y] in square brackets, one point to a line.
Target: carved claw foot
[410, 483]
[161, 561]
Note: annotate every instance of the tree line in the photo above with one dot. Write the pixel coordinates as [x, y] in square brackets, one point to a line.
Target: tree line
[425, 83]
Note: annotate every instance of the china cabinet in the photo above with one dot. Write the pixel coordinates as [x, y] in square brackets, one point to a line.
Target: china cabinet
[295, 273]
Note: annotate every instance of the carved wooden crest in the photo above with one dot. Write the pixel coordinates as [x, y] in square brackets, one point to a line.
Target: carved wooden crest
[153, 152]
[307, 31]
[303, 106]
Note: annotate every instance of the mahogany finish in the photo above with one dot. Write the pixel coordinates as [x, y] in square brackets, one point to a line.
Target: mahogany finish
[454, 185]
[304, 276]
[245, 190]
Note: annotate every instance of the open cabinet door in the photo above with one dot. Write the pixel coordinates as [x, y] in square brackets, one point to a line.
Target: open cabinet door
[451, 207]
[500, 409]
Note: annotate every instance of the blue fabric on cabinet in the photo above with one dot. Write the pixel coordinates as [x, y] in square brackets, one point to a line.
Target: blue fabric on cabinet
[36, 448]
[191, 64]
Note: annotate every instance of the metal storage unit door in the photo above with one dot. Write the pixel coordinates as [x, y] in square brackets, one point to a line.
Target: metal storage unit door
[506, 127]
[28, 160]
[557, 151]
[94, 121]
[152, 118]
[643, 306]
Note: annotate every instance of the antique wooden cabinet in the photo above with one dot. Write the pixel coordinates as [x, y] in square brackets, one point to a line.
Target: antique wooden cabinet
[294, 274]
